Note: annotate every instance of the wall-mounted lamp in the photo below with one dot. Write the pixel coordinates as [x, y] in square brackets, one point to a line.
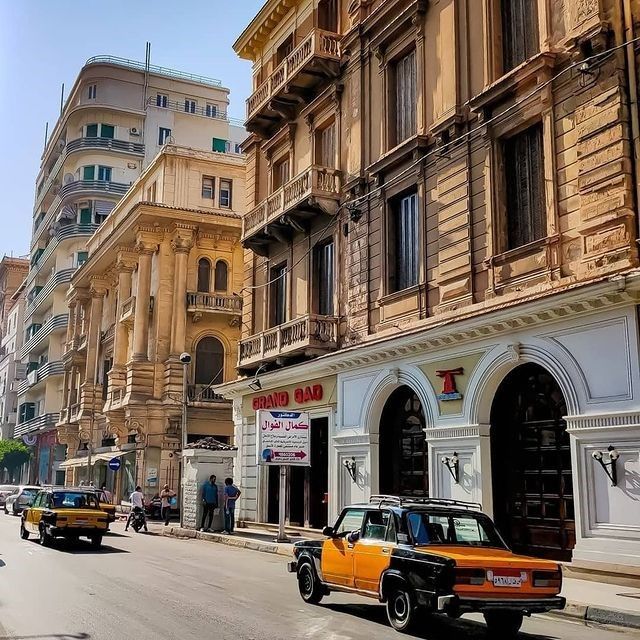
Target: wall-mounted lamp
[609, 467]
[453, 464]
[350, 466]
[256, 385]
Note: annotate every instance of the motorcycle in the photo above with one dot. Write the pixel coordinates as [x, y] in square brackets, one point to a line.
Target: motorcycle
[138, 520]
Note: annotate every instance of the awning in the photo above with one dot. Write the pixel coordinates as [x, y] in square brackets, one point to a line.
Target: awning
[96, 457]
[74, 462]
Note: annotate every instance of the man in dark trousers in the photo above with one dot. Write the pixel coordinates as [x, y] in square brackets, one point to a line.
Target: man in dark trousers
[209, 502]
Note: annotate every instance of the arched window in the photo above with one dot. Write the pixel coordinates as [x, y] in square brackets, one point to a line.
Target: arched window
[220, 283]
[209, 361]
[204, 275]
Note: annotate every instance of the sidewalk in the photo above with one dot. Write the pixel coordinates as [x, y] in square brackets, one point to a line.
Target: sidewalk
[586, 600]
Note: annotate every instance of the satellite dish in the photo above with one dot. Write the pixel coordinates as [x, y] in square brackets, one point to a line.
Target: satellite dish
[69, 178]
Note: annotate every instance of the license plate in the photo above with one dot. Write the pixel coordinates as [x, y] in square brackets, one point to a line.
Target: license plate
[81, 523]
[506, 581]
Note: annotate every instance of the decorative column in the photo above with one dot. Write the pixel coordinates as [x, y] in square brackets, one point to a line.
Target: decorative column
[97, 290]
[71, 326]
[145, 251]
[124, 267]
[181, 243]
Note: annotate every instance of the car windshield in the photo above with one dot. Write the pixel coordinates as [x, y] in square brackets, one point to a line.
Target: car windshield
[428, 528]
[73, 500]
[28, 494]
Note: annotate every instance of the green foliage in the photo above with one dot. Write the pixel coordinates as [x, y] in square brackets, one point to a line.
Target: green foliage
[13, 454]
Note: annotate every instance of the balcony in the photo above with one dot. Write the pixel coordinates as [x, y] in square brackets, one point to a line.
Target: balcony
[307, 336]
[128, 310]
[311, 63]
[108, 144]
[52, 324]
[94, 187]
[199, 303]
[40, 374]
[203, 393]
[58, 278]
[315, 190]
[40, 423]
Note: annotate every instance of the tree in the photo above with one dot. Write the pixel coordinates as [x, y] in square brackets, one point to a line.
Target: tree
[13, 454]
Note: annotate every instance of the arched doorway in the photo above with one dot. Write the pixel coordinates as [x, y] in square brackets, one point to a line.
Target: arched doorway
[531, 464]
[403, 446]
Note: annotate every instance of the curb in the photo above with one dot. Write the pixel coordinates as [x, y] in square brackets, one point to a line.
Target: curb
[574, 610]
[231, 541]
[601, 615]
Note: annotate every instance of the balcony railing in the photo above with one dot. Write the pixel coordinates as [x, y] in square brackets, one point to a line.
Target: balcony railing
[47, 184]
[214, 302]
[128, 309]
[40, 423]
[94, 186]
[318, 46]
[40, 374]
[57, 278]
[109, 144]
[309, 335]
[51, 325]
[315, 182]
[203, 393]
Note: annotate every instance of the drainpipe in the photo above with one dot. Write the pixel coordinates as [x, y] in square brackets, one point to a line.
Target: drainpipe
[632, 79]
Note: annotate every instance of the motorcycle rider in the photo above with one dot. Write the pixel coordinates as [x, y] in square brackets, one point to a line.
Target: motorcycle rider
[137, 506]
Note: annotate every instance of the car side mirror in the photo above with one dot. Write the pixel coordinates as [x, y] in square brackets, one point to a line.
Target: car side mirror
[353, 537]
[329, 532]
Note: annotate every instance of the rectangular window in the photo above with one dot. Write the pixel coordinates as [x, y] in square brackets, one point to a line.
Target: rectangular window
[107, 131]
[326, 146]
[238, 148]
[81, 258]
[225, 193]
[89, 173]
[208, 187]
[104, 173]
[520, 36]
[325, 278]
[162, 100]
[163, 135]
[524, 180]
[211, 111]
[278, 295]
[405, 97]
[85, 216]
[404, 243]
[218, 145]
[281, 173]
[92, 131]
[190, 105]
[93, 91]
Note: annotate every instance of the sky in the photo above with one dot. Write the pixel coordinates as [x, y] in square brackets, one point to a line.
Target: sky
[44, 43]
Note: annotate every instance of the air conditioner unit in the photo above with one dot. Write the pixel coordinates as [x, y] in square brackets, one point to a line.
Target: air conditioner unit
[134, 131]
[32, 377]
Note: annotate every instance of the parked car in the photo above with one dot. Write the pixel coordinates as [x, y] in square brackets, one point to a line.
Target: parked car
[16, 502]
[6, 490]
[441, 556]
[64, 513]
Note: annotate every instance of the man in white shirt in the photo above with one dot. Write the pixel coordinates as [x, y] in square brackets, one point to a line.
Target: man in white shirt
[137, 504]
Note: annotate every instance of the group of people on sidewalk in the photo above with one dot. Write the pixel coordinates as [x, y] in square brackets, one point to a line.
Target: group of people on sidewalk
[210, 503]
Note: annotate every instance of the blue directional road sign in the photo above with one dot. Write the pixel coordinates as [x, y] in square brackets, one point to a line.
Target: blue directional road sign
[114, 464]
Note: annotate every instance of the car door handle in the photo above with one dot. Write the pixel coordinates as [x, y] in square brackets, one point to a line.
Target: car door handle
[385, 550]
[349, 546]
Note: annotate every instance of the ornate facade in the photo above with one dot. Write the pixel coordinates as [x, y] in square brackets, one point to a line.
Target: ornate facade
[163, 277]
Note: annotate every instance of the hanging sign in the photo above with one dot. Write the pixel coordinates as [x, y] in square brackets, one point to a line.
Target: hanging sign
[283, 438]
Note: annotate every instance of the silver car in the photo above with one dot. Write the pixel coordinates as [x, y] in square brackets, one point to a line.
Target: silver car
[6, 490]
[17, 502]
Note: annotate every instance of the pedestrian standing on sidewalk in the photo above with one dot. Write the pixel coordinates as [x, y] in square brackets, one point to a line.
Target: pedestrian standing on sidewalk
[231, 495]
[165, 496]
[209, 502]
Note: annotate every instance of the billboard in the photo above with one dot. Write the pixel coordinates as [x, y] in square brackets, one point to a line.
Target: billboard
[283, 438]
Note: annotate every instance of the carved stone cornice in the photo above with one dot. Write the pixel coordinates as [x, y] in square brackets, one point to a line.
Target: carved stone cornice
[183, 238]
[98, 286]
[127, 259]
[147, 240]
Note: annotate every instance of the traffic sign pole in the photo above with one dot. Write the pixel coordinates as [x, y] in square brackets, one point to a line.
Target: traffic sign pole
[282, 535]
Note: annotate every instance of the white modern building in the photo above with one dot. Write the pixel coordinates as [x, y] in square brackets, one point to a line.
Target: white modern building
[118, 115]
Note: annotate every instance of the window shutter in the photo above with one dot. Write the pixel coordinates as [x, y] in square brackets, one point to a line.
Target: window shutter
[89, 173]
[85, 216]
[520, 35]
[92, 131]
[107, 131]
[219, 145]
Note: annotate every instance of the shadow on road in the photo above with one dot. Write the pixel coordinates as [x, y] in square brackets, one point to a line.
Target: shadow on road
[434, 627]
[50, 636]
[78, 547]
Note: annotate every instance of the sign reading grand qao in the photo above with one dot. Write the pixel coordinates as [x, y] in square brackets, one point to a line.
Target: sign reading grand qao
[283, 438]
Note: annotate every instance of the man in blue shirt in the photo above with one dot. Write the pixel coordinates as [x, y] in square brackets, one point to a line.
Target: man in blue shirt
[209, 502]
[231, 495]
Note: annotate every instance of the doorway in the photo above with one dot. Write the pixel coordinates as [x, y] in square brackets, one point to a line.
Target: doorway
[403, 446]
[531, 465]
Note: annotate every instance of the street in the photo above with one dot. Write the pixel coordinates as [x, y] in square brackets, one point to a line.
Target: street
[151, 587]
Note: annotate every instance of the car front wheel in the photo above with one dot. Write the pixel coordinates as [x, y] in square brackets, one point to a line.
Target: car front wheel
[503, 624]
[309, 585]
[24, 534]
[96, 541]
[46, 540]
[401, 609]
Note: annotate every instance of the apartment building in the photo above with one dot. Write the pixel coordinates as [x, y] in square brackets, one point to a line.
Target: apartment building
[163, 277]
[119, 114]
[442, 247]
[12, 274]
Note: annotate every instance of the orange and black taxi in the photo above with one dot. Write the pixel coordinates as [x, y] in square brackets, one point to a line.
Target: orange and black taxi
[64, 513]
[422, 554]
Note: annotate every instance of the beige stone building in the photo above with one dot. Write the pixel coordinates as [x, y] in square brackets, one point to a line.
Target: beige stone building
[442, 225]
[163, 277]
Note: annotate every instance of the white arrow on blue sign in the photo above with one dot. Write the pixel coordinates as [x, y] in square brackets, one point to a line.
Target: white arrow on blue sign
[114, 464]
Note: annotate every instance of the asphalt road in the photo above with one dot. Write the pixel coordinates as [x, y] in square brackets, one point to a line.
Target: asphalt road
[146, 587]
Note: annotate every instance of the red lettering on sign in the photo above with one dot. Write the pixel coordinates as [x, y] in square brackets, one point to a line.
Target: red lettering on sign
[280, 399]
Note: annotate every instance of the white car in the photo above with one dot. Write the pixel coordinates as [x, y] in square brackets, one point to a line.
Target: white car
[6, 490]
[21, 499]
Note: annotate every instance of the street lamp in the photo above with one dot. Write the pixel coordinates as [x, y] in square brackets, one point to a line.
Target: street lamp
[185, 359]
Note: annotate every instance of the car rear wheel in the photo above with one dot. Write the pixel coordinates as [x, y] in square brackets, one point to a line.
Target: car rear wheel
[503, 624]
[24, 534]
[46, 539]
[96, 541]
[308, 584]
[401, 609]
